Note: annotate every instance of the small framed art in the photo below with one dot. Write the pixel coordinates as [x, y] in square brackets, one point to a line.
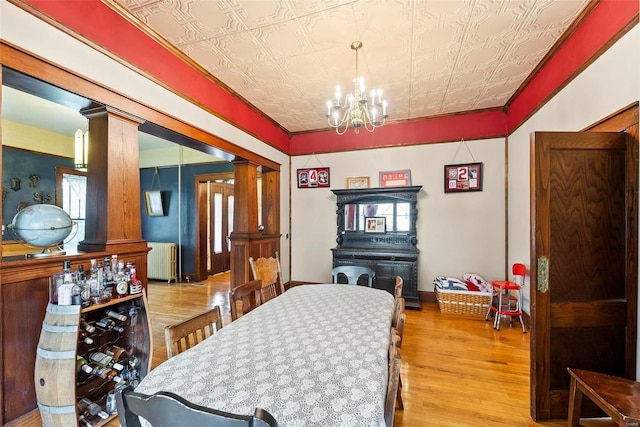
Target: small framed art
[357, 182]
[375, 224]
[463, 177]
[313, 178]
[401, 178]
[153, 200]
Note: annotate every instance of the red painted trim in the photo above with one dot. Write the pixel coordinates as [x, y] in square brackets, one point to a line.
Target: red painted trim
[487, 124]
[607, 18]
[99, 23]
[89, 18]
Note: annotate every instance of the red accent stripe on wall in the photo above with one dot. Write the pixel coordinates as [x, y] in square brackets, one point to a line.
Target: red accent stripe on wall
[97, 22]
[100, 24]
[608, 17]
[479, 125]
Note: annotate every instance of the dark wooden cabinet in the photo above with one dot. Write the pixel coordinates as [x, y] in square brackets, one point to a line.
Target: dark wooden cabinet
[376, 227]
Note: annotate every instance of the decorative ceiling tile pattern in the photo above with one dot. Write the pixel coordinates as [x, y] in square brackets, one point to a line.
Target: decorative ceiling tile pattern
[430, 57]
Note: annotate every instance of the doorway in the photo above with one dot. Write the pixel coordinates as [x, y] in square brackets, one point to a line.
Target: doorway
[219, 227]
[584, 266]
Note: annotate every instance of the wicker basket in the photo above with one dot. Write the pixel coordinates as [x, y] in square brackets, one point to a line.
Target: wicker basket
[463, 302]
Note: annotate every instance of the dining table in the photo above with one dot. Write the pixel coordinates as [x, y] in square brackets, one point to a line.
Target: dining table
[317, 355]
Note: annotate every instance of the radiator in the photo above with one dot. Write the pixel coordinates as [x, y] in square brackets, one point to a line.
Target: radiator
[161, 261]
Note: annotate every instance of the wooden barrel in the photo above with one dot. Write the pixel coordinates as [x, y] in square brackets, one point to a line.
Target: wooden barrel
[55, 368]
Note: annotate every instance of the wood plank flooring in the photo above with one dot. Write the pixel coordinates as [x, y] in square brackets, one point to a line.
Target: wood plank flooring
[455, 371]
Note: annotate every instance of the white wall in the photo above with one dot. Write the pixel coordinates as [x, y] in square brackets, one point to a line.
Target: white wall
[34, 35]
[609, 84]
[457, 232]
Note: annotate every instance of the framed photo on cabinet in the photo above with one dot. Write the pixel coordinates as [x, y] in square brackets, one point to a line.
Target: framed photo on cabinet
[463, 177]
[375, 224]
[401, 178]
[357, 182]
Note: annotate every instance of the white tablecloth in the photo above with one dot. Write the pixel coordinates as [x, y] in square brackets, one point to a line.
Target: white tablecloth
[314, 356]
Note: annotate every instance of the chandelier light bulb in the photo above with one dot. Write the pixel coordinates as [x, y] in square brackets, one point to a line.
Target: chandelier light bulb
[356, 111]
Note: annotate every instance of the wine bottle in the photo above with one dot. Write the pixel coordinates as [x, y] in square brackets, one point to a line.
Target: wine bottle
[87, 327]
[108, 324]
[64, 283]
[92, 408]
[119, 354]
[106, 374]
[82, 365]
[116, 315]
[85, 339]
[105, 360]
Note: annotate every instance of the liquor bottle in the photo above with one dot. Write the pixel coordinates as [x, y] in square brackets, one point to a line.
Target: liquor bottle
[64, 282]
[82, 365]
[120, 282]
[106, 374]
[108, 273]
[78, 296]
[116, 315]
[135, 285]
[104, 360]
[108, 324]
[86, 326]
[92, 408]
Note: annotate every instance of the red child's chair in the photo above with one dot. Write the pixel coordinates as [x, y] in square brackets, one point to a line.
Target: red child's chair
[508, 298]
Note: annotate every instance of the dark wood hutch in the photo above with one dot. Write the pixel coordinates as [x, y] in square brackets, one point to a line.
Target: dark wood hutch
[376, 227]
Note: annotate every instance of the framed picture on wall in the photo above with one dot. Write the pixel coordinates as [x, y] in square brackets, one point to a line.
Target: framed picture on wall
[153, 201]
[463, 177]
[313, 178]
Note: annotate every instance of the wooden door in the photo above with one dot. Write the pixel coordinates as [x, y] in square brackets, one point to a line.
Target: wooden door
[220, 227]
[584, 299]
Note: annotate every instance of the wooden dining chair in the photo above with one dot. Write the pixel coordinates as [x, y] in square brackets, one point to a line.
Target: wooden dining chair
[393, 381]
[183, 335]
[248, 294]
[398, 288]
[268, 270]
[165, 409]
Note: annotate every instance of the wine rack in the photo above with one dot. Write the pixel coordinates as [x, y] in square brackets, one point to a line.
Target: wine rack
[61, 384]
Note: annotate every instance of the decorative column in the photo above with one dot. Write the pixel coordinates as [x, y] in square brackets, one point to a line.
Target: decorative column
[113, 221]
[246, 239]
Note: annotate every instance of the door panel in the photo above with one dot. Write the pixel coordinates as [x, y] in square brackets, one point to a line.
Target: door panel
[221, 209]
[584, 211]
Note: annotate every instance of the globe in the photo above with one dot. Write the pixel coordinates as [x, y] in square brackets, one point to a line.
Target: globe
[41, 225]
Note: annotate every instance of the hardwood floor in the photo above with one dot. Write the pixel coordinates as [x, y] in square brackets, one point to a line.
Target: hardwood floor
[455, 371]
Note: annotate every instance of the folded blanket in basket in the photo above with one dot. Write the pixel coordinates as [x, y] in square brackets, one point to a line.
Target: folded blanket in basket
[450, 283]
[475, 282]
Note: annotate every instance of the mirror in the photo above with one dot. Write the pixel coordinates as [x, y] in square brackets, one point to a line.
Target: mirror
[396, 215]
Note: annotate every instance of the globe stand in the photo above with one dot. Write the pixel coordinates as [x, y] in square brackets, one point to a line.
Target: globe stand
[48, 252]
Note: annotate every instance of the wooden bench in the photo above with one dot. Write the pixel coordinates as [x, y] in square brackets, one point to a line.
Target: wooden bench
[617, 397]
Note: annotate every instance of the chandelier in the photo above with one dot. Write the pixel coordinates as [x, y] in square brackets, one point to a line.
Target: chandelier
[355, 110]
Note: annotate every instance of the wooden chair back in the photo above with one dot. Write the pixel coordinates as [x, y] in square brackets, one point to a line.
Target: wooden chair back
[164, 409]
[183, 335]
[398, 310]
[393, 383]
[248, 294]
[268, 270]
[398, 288]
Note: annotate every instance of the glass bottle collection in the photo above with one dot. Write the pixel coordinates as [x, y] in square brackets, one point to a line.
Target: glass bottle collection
[104, 281]
[107, 363]
[105, 358]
